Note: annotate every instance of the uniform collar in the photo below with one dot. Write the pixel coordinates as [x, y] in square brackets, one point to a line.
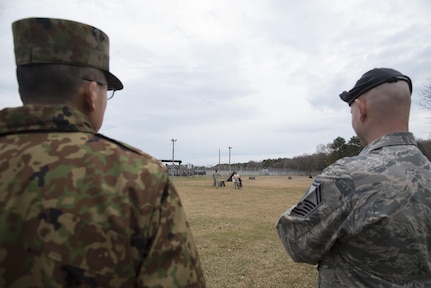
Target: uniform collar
[40, 117]
[393, 139]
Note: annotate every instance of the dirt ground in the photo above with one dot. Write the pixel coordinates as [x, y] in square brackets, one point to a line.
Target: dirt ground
[235, 230]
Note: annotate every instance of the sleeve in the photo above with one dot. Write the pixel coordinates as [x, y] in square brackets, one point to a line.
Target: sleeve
[172, 259]
[310, 228]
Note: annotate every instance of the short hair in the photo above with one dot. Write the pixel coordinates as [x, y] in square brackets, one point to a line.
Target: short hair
[50, 83]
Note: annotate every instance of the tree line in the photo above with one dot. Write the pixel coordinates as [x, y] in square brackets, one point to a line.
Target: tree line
[325, 155]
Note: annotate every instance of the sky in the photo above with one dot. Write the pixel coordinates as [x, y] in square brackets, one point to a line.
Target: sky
[260, 76]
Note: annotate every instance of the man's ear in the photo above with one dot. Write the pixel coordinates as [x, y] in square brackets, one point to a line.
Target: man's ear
[362, 109]
[91, 96]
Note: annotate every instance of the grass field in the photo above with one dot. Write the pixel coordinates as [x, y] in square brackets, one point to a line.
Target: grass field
[235, 234]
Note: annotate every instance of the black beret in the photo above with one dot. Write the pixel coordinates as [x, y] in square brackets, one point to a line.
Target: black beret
[372, 79]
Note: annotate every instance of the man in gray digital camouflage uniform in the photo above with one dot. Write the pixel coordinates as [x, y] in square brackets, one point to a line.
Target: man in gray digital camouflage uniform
[78, 209]
[366, 220]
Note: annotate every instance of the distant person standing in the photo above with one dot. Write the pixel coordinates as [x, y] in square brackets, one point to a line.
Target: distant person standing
[215, 178]
[236, 178]
[78, 209]
[365, 221]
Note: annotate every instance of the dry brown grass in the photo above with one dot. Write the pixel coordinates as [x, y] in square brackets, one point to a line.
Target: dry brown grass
[235, 234]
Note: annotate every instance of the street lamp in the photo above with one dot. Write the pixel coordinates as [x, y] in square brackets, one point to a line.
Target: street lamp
[230, 148]
[173, 159]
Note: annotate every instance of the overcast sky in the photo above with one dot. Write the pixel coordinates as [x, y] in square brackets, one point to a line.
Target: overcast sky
[260, 76]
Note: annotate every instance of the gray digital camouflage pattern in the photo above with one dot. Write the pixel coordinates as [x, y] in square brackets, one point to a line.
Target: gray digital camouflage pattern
[78, 209]
[366, 220]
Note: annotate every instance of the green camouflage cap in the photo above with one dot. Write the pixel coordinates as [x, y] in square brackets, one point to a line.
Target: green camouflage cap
[58, 41]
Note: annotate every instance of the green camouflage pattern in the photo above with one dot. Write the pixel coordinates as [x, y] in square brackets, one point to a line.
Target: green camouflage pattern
[78, 209]
[58, 41]
[366, 219]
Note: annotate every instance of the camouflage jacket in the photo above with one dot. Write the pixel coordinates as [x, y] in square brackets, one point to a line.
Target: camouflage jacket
[366, 220]
[78, 209]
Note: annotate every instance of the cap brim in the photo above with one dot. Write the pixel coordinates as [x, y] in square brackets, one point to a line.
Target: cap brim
[345, 96]
[113, 82]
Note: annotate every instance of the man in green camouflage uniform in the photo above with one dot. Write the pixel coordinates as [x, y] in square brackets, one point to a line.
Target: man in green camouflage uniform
[78, 209]
[366, 220]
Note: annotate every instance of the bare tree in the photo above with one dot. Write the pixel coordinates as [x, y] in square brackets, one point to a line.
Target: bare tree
[425, 96]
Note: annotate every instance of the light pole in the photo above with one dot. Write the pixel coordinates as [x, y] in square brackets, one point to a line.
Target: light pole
[173, 157]
[230, 148]
[218, 158]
